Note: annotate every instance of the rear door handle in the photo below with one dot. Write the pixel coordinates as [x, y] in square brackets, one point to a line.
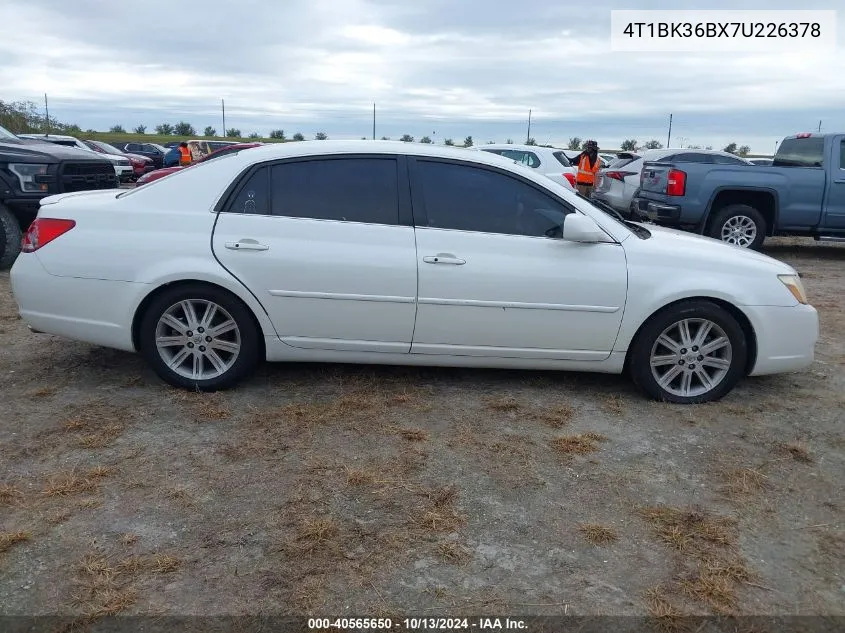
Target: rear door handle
[840, 181]
[246, 245]
[444, 258]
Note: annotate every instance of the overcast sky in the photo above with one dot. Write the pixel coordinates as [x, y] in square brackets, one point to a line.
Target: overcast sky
[442, 68]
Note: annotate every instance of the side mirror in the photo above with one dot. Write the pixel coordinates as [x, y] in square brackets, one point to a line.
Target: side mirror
[581, 228]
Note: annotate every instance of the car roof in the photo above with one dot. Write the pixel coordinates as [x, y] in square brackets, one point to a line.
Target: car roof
[520, 147]
[59, 137]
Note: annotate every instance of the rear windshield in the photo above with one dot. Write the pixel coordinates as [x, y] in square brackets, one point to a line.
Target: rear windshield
[800, 152]
[621, 162]
[562, 159]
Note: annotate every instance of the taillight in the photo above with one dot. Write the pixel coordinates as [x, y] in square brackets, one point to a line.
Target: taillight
[676, 183]
[618, 175]
[570, 178]
[43, 231]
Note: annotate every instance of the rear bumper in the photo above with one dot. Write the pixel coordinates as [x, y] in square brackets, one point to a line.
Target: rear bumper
[657, 211]
[786, 337]
[90, 310]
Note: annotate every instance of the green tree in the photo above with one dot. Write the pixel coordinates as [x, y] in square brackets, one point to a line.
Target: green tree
[531, 141]
[117, 129]
[425, 139]
[165, 129]
[20, 117]
[730, 149]
[744, 151]
[141, 129]
[90, 131]
[254, 135]
[183, 128]
[629, 145]
[407, 138]
[653, 144]
[574, 143]
[468, 141]
[321, 136]
[278, 134]
[233, 132]
[209, 131]
[298, 137]
[449, 142]
[72, 129]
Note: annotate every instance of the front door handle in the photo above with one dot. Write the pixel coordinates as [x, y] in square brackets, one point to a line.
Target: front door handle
[246, 245]
[444, 258]
[840, 181]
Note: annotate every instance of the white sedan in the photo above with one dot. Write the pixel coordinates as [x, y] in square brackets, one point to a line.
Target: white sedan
[380, 252]
[552, 162]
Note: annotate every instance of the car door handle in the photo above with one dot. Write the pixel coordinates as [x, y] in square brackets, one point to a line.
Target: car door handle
[841, 181]
[444, 258]
[246, 245]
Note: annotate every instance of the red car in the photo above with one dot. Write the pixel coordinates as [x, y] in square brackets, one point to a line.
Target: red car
[161, 173]
[140, 164]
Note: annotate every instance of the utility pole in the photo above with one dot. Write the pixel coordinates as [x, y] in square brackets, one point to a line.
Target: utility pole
[668, 140]
[223, 105]
[47, 113]
[528, 138]
[374, 121]
[820, 126]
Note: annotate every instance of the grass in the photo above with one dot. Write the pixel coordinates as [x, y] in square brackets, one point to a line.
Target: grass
[578, 444]
[797, 450]
[597, 534]
[317, 535]
[742, 482]
[414, 435]
[504, 404]
[439, 513]
[73, 483]
[9, 539]
[452, 552]
[128, 539]
[667, 616]
[555, 417]
[9, 495]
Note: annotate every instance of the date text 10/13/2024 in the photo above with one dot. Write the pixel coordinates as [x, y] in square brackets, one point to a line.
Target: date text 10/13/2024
[412, 624]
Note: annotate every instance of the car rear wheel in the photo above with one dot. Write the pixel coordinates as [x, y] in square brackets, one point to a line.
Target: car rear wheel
[692, 352]
[199, 337]
[740, 225]
[10, 238]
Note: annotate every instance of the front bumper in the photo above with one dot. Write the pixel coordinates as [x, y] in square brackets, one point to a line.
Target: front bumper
[786, 337]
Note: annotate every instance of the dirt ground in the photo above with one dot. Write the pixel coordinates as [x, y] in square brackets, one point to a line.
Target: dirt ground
[391, 492]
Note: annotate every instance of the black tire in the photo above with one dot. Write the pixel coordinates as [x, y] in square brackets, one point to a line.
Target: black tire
[640, 368]
[732, 211]
[10, 238]
[246, 359]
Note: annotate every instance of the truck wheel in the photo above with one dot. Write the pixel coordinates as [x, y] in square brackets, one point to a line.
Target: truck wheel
[740, 225]
[10, 238]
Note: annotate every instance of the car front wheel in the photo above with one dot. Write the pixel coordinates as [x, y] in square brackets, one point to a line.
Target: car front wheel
[740, 225]
[199, 337]
[692, 352]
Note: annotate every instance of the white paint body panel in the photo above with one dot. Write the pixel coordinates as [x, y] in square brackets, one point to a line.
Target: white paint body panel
[343, 292]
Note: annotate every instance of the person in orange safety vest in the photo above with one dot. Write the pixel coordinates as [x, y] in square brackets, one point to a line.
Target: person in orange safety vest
[588, 163]
[186, 158]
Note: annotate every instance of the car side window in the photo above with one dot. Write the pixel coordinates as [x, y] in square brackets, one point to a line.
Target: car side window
[692, 157]
[466, 198]
[341, 189]
[253, 197]
[727, 160]
[841, 154]
[134, 147]
[529, 159]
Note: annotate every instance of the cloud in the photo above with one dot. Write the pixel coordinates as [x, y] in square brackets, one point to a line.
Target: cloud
[469, 67]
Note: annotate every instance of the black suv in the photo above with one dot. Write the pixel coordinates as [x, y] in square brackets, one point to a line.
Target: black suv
[32, 170]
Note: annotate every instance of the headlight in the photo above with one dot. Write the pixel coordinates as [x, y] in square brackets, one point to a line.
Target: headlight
[26, 173]
[794, 285]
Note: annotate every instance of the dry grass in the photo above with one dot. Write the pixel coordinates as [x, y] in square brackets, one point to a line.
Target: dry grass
[690, 531]
[317, 535]
[667, 617]
[349, 407]
[8, 539]
[128, 539]
[598, 534]
[578, 444]
[439, 513]
[613, 404]
[101, 437]
[359, 477]
[59, 516]
[453, 552]
[204, 407]
[555, 417]
[414, 435]
[74, 483]
[41, 392]
[741, 482]
[10, 496]
[504, 404]
[797, 450]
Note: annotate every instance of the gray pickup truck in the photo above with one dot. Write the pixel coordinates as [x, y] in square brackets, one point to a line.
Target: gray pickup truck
[802, 193]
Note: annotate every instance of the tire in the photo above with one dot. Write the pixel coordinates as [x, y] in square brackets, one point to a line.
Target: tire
[740, 225]
[10, 238]
[233, 365]
[724, 366]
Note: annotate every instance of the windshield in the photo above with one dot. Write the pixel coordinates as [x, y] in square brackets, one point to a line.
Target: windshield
[160, 148]
[108, 149]
[638, 229]
[7, 135]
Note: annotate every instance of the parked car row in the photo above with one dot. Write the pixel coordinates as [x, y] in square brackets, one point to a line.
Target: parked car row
[397, 253]
[122, 165]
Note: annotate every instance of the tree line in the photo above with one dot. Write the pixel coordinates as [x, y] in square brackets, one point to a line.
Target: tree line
[24, 117]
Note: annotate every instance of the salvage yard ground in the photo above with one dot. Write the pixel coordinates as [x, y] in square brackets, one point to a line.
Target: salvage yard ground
[381, 491]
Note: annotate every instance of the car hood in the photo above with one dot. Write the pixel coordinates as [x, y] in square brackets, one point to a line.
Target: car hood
[31, 151]
[683, 245]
